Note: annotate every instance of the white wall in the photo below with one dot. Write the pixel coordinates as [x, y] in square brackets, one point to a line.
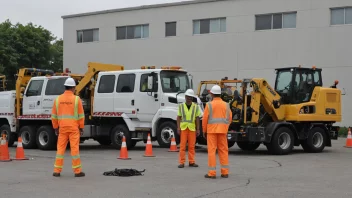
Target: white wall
[241, 52]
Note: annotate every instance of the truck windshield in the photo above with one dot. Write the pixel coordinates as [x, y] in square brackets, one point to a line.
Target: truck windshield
[283, 81]
[174, 81]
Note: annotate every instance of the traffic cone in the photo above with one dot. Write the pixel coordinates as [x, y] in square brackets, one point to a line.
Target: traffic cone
[4, 150]
[173, 147]
[20, 151]
[123, 150]
[349, 139]
[149, 148]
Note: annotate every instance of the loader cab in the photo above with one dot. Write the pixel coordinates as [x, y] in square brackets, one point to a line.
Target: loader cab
[295, 85]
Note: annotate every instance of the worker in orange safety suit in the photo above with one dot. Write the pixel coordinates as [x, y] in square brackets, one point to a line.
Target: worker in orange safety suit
[188, 127]
[216, 120]
[68, 122]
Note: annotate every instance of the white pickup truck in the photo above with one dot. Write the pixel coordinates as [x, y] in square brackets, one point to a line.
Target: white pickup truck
[132, 103]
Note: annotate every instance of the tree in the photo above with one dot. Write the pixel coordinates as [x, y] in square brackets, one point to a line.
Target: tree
[28, 46]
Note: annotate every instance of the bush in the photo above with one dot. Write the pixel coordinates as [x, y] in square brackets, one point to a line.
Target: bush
[343, 131]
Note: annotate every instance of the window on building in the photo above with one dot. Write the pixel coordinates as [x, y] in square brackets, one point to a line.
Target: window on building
[170, 29]
[132, 32]
[35, 88]
[55, 87]
[125, 83]
[341, 16]
[206, 26]
[106, 84]
[84, 36]
[275, 21]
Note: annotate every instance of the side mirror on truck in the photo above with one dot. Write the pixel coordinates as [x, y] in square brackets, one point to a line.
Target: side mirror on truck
[150, 82]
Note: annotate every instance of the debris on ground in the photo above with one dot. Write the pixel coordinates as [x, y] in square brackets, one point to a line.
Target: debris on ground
[124, 172]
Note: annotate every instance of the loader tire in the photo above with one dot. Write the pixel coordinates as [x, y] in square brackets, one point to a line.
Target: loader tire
[46, 138]
[282, 142]
[29, 135]
[230, 144]
[248, 146]
[165, 130]
[11, 137]
[316, 141]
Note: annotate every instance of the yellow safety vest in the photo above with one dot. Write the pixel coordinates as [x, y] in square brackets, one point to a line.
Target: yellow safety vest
[188, 116]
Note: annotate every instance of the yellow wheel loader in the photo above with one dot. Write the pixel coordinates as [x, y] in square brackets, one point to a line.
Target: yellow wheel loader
[298, 110]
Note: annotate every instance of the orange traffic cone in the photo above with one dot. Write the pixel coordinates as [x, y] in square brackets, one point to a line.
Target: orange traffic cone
[123, 150]
[173, 147]
[4, 150]
[20, 151]
[349, 139]
[149, 148]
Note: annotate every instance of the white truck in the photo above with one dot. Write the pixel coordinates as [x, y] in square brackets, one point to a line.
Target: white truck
[117, 102]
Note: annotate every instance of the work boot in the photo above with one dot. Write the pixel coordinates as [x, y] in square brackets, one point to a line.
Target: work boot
[225, 176]
[81, 174]
[56, 174]
[181, 166]
[193, 165]
[211, 177]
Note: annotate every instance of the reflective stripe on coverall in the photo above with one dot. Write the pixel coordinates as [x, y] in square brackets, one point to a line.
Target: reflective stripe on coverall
[188, 128]
[68, 117]
[216, 120]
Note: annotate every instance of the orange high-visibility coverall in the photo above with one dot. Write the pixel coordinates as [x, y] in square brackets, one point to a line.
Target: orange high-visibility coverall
[216, 120]
[68, 117]
[188, 131]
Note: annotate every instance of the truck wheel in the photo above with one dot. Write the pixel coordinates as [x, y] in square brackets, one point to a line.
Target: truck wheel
[282, 142]
[316, 141]
[105, 141]
[116, 137]
[230, 144]
[248, 146]
[11, 137]
[164, 133]
[46, 138]
[28, 135]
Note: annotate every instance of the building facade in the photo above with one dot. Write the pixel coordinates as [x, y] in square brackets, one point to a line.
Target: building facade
[217, 38]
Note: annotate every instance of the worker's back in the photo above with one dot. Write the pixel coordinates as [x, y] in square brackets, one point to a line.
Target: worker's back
[67, 110]
[219, 116]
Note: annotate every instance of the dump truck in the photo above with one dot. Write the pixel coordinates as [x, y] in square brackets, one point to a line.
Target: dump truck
[116, 102]
[298, 110]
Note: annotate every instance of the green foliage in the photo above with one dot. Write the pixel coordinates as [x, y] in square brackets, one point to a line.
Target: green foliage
[343, 131]
[27, 46]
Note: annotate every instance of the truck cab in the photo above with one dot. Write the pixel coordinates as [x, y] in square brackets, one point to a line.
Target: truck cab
[144, 101]
[39, 96]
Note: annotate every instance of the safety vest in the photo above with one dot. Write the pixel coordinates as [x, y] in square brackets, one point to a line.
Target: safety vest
[212, 120]
[188, 118]
[75, 114]
[66, 113]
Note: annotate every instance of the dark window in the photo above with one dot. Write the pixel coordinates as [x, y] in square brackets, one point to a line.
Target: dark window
[144, 83]
[170, 29]
[132, 32]
[275, 21]
[55, 87]
[106, 84]
[87, 35]
[206, 26]
[125, 83]
[341, 16]
[35, 88]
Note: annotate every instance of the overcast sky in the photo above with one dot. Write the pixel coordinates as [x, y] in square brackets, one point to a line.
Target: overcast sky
[47, 13]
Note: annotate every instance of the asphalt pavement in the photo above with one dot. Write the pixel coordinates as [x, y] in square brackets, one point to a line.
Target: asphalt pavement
[252, 174]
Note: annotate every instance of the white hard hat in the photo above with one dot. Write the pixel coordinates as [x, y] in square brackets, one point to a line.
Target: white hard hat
[189, 92]
[216, 89]
[70, 82]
